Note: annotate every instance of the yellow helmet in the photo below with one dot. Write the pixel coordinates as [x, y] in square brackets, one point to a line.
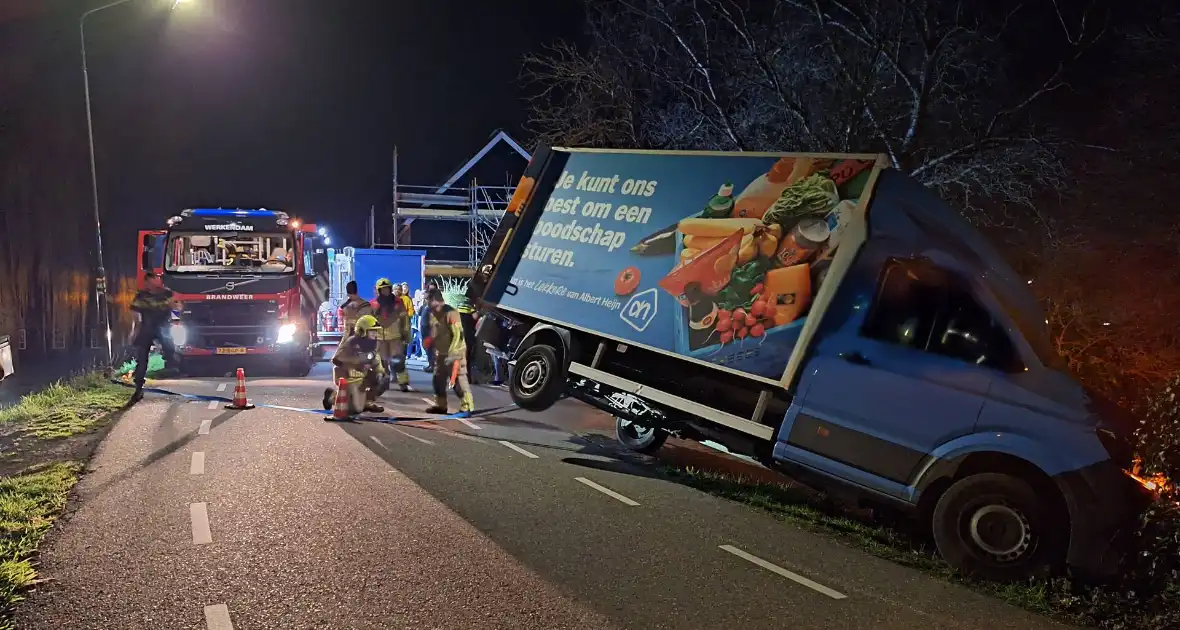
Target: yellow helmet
[364, 324]
[384, 283]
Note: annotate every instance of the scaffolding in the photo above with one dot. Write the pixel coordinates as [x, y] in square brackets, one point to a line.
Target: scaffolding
[480, 208]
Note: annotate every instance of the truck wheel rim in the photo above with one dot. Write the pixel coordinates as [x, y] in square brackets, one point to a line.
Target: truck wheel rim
[532, 376]
[1000, 531]
[634, 430]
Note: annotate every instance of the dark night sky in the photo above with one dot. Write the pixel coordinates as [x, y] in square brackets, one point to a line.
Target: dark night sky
[297, 104]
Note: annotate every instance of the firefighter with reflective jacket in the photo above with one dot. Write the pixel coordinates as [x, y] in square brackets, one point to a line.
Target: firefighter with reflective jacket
[394, 333]
[353, 308]
[450, 350]
[357, 362]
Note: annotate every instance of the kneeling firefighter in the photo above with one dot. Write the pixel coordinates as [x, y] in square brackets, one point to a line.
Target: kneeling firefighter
[450, 350]
[357, 362]
[394, 333]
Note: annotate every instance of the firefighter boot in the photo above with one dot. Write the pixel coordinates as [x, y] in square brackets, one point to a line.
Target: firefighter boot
[329, 398]
[403, 380]
[468, 404]
[439, 406]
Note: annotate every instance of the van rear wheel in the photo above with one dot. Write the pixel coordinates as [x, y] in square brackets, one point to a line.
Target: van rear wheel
[538, 379]
[639, 438]
[991, 526]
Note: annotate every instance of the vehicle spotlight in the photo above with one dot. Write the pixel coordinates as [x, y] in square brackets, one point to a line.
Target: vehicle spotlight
[179, 335]
[286, 333]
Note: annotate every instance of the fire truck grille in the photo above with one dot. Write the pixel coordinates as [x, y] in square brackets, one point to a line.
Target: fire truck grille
[219, 313]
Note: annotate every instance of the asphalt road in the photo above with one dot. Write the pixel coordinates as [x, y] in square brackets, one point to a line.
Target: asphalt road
[197, 517]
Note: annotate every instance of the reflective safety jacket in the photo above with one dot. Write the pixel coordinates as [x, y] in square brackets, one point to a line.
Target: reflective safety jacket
[447, 329]
[394, 321]
[356, 362]
[352, 309]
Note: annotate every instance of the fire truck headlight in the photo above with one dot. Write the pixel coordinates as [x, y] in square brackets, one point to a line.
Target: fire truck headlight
[179, 334]
[286, 333]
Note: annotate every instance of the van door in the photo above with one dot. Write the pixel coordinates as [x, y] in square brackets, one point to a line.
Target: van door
[151, 254]
[914, 376]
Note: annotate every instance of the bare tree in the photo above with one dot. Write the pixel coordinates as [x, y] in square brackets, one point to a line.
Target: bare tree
[925, 81]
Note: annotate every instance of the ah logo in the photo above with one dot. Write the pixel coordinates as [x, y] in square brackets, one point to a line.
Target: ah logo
[640, 310]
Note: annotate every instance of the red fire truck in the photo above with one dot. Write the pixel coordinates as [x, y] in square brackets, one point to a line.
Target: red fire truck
[250, 283]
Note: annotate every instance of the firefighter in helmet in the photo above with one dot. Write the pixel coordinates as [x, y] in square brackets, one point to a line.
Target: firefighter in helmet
[358, 363]
[353, 308]
[394, 333]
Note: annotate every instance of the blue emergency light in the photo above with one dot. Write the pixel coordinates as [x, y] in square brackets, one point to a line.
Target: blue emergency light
[228, 212]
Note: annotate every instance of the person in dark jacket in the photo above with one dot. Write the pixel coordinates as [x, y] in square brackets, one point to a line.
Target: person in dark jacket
[153, 308]
[424, 325]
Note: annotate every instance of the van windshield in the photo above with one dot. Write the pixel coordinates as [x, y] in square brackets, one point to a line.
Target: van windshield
[230, 252]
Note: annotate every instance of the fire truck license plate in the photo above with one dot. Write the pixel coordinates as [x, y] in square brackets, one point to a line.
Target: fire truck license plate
[231, 351]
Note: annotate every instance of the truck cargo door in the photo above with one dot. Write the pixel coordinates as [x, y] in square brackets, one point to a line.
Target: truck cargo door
[151, 253]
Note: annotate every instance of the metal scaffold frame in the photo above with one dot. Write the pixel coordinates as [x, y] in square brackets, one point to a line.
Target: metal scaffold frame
[481, 207]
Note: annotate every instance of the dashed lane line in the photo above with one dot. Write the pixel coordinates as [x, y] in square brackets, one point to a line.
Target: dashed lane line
[199, 514]
[197, 467]
[221, 387]
[607, 491]
[205, 426]
[212, 404]
[518, 449]
[412, 437]
[217, 617]
[774, 568]
[378, 442]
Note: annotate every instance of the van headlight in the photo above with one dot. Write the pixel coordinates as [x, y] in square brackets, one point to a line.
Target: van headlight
[179, 334]
[286, 333]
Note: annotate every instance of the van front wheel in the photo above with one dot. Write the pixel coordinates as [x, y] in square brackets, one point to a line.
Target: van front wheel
[538, 379]
[990, 526]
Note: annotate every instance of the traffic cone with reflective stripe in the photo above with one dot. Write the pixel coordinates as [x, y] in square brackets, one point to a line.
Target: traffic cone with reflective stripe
[340, 410]
[240, 401]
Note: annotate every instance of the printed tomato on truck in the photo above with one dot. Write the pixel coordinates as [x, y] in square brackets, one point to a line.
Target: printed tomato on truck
[825, 315]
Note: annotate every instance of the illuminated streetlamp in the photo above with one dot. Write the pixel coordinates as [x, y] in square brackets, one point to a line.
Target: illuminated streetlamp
[103, 308]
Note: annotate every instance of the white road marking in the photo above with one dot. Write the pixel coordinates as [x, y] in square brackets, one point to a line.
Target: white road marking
[204, 428]
[470, 424]
[607, 491]
[429, 401]
[197, 467]
[217, 617]
[213, 404]
[518, 449]
[412, 437]
[374, 438]
[461, 436]
[221, 387]
[199, 513]
[774, 568]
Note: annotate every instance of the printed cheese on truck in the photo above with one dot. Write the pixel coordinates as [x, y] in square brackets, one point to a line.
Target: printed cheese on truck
[789, 290]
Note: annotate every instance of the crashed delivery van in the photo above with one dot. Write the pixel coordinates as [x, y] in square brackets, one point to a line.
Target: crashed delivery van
[824, 314]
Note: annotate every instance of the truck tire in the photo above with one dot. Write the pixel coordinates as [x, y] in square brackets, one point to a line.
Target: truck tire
[991, 526]
[638, 438]
[538, 381]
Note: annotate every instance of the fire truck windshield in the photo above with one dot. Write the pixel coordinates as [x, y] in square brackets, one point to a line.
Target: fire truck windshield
[230, 252]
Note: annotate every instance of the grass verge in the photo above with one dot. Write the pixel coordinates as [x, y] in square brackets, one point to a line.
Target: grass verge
[29, 503]
[811, 511]
[67, 408]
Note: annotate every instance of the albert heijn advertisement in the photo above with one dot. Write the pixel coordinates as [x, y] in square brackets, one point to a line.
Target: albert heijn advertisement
[714, 257]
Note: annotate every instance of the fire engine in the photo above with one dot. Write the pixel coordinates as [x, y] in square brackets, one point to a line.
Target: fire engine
[249, 284]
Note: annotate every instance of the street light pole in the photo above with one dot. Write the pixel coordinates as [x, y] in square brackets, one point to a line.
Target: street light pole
[103, 309]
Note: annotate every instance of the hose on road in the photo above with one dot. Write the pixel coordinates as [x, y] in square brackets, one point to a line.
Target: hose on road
[320, 412]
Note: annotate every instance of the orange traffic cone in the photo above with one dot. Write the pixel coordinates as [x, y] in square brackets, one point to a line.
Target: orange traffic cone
[340, 411]
[240, 401]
